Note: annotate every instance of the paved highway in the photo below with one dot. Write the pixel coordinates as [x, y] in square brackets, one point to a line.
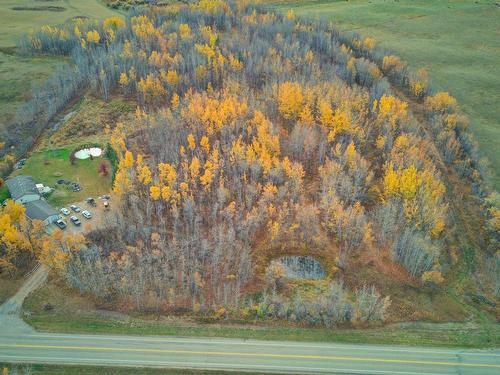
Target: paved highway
[20, 343]
[240, 355]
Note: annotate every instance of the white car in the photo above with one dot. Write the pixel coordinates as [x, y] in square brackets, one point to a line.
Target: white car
[75, 208]
[61, 224]
[86, 214]
[65, 211]
[75, 220]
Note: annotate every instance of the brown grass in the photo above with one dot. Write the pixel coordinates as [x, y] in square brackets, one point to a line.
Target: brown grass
[8, 286]
[89, 122]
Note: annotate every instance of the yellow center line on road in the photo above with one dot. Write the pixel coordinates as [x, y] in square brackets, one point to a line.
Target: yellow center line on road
[262, 355]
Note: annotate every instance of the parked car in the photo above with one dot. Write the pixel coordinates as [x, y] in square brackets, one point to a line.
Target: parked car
[75, 208]
[20, 164]
[65, 211]
[86, 214]
[75, 220]
[91, 201]
[61, 224]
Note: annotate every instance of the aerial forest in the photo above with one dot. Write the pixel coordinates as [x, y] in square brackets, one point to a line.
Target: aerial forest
[258, 136]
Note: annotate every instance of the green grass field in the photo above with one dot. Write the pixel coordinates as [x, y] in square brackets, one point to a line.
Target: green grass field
[48, 166]
[457, 41]
[18, 73]
[417, 334]
[74, 313]
[99, 370]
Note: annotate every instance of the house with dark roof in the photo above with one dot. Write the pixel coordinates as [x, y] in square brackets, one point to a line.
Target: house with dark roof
[23, 189]
[41, 210]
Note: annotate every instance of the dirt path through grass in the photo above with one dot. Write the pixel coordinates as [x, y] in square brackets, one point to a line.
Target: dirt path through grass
[10, 320]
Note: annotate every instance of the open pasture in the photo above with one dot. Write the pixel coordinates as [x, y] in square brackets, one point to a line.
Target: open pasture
[19, 17]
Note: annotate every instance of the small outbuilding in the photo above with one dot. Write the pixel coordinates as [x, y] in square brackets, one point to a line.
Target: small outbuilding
[23, 189]
[41, 210]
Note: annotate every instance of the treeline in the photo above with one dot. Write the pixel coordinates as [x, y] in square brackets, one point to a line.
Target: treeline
[46, 102]
[23, 242]
[257, 134]
[331, 306]
[20, 240]
[128, 4]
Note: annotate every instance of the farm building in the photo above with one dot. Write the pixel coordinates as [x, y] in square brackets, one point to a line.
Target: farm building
[41, 210]
[23, 189]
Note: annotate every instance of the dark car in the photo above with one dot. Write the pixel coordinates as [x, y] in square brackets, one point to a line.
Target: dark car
[91, 201]
[61, 224]
[75, 220]
[21, 163]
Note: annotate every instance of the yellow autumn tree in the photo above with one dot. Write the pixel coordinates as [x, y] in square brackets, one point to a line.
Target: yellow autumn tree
[325, 113]
[290, 100]
[194, 168]
[152, 89]
[123, 182]
[191, 141]
[409, 182]
[369, 43]
[205, 144]
[208, 175]
[172, 78]
[113, 23]
[93, 36]
[124, 81]
[441, 102]
[175, 101]
[391, 109]
[144, 175]
[20, 239]
[391, 182]
[306, 117]
[393, 63]
[403, 183]
[185, 31]
[155, 192]
[419, 83]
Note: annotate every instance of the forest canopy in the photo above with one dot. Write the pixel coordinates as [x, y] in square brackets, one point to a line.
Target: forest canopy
[258, 135]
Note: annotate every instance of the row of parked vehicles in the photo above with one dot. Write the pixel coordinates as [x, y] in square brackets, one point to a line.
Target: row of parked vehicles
[73, 218]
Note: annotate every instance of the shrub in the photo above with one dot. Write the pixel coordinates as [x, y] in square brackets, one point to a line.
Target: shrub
[432, 278]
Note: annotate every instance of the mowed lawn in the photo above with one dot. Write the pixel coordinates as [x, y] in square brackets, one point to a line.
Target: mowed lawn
[18, 73]
[457, 41]
[48, 166]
